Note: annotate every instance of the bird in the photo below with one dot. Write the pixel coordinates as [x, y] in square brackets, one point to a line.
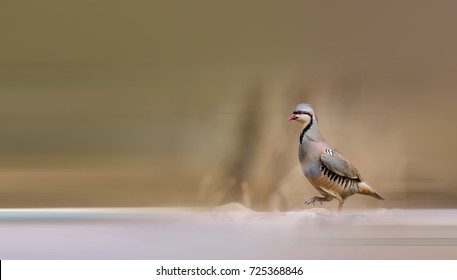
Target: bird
[324, 167]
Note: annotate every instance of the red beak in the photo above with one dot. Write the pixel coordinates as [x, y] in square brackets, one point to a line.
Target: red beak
[292, 117]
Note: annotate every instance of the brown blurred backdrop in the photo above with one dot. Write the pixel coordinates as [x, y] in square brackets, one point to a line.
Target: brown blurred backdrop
[185, 103]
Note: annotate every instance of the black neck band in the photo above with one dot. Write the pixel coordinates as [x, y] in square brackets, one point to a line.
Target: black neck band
[307, 127]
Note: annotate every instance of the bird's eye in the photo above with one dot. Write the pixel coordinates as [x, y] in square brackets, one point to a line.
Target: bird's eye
[303, 113]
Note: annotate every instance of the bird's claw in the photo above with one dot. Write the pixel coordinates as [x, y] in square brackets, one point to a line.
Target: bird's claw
[313, 200]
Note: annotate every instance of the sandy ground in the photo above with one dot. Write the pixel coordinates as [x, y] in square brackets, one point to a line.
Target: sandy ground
[229, 232]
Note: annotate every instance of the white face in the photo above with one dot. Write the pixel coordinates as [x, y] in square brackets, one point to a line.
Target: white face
[301, 117]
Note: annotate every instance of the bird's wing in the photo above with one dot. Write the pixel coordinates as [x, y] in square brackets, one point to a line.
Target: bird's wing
[338, 164]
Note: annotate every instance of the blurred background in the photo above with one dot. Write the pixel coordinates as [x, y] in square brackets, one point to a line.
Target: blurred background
[108, 103]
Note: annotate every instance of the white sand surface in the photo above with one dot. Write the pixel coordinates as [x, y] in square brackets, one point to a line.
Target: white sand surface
[227, 232]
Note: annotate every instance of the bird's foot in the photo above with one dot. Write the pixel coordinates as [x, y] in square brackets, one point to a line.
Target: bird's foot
[316, 199]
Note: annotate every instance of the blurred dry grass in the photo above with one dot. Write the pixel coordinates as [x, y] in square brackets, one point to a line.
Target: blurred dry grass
[164, 103]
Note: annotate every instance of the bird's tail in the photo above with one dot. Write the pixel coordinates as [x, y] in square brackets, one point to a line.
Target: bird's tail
[366, 189]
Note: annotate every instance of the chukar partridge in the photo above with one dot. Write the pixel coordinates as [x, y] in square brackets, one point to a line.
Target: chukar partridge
[326, 169]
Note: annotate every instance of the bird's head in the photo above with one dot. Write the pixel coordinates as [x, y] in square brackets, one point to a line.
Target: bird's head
[303, 113]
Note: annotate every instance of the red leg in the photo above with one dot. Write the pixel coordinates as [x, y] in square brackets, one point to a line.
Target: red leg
[340, 206]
